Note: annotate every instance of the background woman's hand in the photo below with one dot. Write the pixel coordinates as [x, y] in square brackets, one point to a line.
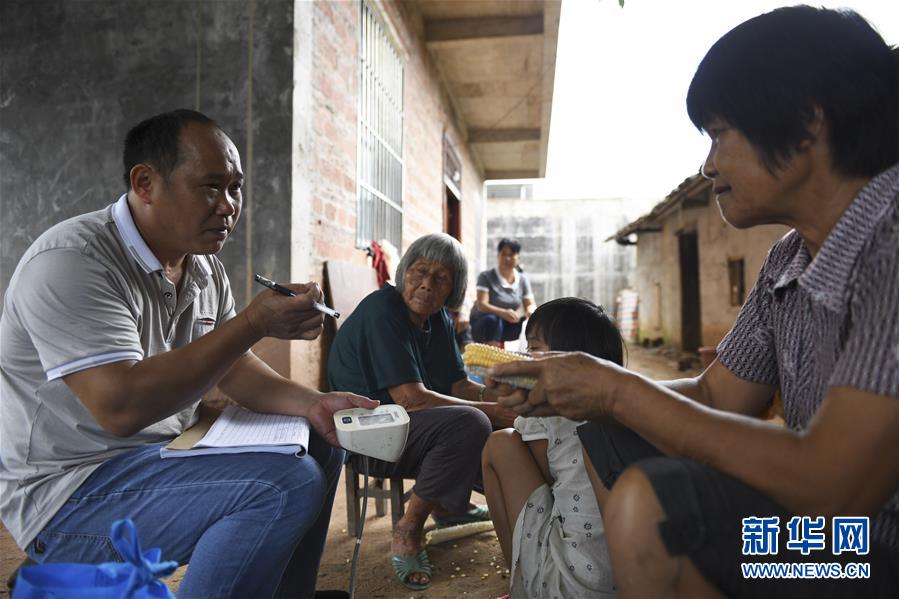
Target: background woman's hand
[575, 385]
[510, 316]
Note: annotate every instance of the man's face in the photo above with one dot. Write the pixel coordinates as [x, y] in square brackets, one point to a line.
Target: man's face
[426, 287]
[748, 194]
[200, 200]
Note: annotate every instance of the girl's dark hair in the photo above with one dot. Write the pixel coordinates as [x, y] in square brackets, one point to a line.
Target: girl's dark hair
[767, 77]
[512, 244]
[576, 324]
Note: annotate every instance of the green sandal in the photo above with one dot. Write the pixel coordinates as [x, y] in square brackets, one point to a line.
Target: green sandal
[406, 565]
[478, 513]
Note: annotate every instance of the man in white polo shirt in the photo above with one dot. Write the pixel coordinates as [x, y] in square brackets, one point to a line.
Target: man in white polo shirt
[114, 325]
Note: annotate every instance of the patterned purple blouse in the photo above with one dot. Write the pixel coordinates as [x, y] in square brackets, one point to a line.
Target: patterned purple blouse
[810, 324]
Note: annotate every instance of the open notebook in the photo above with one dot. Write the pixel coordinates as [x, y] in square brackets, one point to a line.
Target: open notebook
[238, 430]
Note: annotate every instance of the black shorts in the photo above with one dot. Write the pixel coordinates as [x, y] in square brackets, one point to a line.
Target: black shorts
[704, 511]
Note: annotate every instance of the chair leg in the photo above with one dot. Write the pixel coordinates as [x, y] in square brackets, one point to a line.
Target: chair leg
[354, 493]
[352, 499]
[397, 500]
[378, 493]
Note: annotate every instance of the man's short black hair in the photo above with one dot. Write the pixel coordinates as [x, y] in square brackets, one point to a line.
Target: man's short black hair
[512, 244]
[768, 76]
[155, 141]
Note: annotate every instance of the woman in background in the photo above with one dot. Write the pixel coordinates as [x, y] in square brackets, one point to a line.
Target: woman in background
[505, 299]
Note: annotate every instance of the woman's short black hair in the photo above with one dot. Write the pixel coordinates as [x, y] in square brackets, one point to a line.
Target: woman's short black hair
[155, 141]
[767, 77]
[576, 324]
[512, 244]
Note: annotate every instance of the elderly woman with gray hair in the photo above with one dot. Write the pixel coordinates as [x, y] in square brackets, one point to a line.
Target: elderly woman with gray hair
[398, 347]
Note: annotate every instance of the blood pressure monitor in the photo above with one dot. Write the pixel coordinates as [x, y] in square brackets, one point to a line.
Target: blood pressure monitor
[379, 433]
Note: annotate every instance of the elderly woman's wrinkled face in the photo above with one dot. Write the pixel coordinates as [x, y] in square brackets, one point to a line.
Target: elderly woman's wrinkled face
[426, 287]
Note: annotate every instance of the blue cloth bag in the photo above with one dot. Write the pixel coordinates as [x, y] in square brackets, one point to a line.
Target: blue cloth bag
[135, 578]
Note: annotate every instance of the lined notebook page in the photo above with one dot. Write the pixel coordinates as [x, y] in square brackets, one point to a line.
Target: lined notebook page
[239, 427]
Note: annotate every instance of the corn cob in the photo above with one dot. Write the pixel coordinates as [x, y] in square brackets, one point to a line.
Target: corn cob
[479, 357]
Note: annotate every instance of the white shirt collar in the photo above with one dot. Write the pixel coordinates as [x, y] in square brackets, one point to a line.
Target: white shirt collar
[503, 281]
[140, 251]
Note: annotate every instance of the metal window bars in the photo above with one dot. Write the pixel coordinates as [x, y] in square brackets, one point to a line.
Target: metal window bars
[379, 213]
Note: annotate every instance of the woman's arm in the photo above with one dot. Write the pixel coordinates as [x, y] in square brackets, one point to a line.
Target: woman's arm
[529, 306]
[486, 307]
[415, 396]
[843, 463]
[468, 389]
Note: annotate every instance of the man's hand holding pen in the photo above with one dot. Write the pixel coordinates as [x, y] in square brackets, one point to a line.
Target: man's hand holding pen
[276, 314]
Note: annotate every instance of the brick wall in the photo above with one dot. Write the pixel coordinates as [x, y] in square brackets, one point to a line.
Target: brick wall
[330, 173]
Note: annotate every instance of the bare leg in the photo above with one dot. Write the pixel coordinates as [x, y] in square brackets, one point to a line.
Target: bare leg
[510, 476]
[407, 534]
[642, 564]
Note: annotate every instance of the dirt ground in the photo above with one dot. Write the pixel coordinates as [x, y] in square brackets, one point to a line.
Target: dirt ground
[469, 567]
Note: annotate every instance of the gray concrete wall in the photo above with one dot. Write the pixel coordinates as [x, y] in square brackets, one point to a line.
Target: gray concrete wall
[563, 247]
[74, 76]
[326, 97]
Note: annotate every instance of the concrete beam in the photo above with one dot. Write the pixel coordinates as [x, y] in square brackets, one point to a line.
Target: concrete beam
[520, 174]
[442, 30]
[502, 135]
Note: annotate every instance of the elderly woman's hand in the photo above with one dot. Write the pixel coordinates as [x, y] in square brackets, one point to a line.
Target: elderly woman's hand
[497, 390]
[500, 417]
[575, 385]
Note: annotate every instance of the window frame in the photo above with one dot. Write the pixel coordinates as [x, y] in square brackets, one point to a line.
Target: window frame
[380, 135]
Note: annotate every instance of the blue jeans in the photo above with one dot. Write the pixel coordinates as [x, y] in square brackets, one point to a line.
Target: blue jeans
[490, 327]
[250, 525]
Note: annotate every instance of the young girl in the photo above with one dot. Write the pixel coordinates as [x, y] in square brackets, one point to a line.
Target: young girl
[540, 498]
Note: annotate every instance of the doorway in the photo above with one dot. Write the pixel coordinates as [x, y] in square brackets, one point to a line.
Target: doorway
[452, 222]
[452, 191]
[691, 326]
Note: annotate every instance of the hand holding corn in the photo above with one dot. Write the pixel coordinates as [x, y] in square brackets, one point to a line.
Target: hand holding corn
[479, 357]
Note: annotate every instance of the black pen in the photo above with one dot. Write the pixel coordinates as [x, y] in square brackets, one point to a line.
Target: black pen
[285, 291]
